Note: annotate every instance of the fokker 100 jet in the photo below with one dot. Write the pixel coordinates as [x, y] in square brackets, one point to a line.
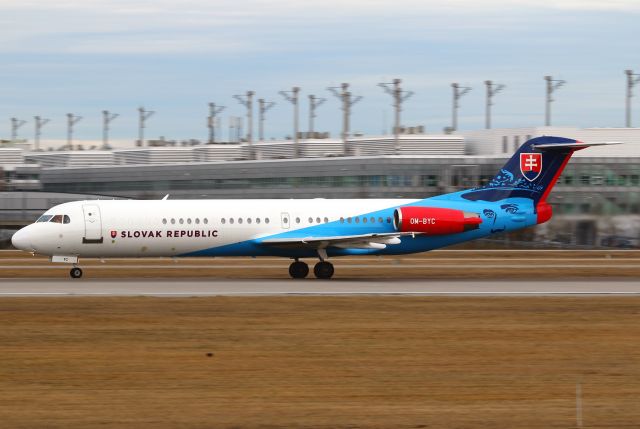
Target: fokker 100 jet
[312, 228]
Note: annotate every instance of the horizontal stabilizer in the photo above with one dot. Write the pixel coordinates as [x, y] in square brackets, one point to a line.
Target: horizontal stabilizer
[573, 145]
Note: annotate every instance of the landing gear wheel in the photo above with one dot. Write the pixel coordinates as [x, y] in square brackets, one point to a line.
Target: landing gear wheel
[298, 270]
[323, 270]
[75, 273]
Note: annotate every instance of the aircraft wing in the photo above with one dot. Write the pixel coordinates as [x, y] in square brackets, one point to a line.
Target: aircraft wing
[362, 241]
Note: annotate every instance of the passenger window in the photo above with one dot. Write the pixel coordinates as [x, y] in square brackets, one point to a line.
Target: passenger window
[223, 221]
[231, 220]
[67, 219]
[326, 220]
[357, 220]
[189, 221]
[364, 220]
[348, 220]
[373, 219]
[266, 220]
[317, 220]
[341, 220]
[56, 219]
[249, 220]
[380, 220]
[197, 221]
[257, 220]
[239, 220]
[164, 221]
[388, 220]
[205, 221]
[310, 220]
[297, 220]
[181, 221]
[173, 221]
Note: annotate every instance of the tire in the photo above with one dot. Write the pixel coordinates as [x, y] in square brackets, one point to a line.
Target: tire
[298, 270]
[75, 273]
[323, 270]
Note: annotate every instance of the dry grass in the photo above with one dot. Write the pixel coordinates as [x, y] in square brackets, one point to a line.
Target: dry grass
[318, 362]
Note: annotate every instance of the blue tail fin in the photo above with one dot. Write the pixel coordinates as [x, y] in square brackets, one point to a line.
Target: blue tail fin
[530, 173]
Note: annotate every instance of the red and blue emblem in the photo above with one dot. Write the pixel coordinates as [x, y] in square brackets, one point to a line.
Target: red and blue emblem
[114, 234]
[531, 165]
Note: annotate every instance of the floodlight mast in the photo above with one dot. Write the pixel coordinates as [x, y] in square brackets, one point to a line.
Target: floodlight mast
[211, 120]
[347, 101]
[551, 87]
[107, 118]
[314, 103]
[247, 101]
[263, 107]
[39, 123]
[399, 96]
[458, 92]
[15, 126]
[143, 115]
[292, 97]
[492, 90]
[72, 120]
[632, 81]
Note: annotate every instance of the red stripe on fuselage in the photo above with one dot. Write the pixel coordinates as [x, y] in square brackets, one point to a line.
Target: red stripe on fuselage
[555, 177]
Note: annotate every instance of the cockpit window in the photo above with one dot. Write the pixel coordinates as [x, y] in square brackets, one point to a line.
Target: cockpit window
[56, 219]
[67, 219]
[44, 218]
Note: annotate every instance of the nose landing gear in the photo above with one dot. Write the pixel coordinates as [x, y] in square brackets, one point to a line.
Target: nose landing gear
[75, 273]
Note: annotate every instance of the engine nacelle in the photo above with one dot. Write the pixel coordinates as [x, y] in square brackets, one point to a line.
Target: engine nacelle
[434, 220]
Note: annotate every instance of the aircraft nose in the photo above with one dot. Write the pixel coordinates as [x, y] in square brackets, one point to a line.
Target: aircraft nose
[20, 240]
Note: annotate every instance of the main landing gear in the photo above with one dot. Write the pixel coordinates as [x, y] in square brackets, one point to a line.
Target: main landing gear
[75, 273]
[300, 270]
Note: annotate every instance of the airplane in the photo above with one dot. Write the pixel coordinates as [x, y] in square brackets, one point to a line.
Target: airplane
[515, 198]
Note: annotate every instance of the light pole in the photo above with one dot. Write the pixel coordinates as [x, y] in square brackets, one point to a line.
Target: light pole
[492, 90]
[551, 87]
[292, 97]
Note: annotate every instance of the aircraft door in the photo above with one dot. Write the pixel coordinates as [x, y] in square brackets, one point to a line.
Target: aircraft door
[92, 224]
[285, 221]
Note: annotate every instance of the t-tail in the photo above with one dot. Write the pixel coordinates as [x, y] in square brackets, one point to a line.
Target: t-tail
[531, 173]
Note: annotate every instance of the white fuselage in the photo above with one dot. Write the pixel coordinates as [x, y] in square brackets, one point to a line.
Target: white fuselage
[134, 228]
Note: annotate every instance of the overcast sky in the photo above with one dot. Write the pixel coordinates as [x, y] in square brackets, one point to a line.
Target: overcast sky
[83, 56]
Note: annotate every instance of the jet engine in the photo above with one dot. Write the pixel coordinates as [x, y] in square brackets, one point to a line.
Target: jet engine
[434, 220]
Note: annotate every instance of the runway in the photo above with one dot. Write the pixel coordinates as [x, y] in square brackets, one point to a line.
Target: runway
[311, 287]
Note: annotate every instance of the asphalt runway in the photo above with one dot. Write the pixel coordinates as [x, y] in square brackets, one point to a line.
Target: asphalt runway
[187, 288]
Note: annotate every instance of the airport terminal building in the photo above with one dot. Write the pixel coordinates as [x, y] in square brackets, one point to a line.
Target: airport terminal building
[596, 201]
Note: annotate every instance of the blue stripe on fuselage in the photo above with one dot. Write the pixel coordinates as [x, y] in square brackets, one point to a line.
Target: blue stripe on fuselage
[501, 216]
